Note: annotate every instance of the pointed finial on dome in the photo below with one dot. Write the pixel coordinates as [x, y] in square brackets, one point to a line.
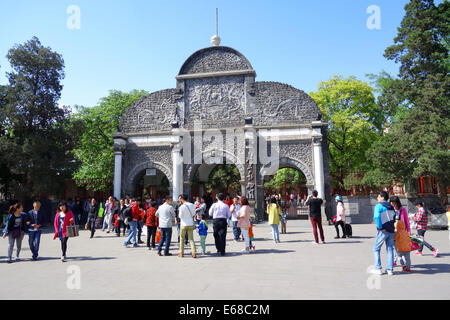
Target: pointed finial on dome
[215, 40]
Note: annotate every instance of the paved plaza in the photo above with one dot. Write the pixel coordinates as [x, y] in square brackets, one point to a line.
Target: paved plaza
[294, 269]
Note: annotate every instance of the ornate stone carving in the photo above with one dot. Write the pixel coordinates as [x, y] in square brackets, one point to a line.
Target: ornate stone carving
[281, 103]
[153, 112]
[301, 150]
[215, 59]
[140, 159]
[251, 185]
[212, 99]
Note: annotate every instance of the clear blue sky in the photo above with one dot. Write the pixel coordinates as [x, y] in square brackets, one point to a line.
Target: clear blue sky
[142, 44]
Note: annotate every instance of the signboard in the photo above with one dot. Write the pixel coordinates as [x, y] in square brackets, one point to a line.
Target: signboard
[150, 172]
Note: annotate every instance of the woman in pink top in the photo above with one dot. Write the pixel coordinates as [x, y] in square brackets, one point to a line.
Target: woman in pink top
[401, 213]
[244, 222]
[63, 218]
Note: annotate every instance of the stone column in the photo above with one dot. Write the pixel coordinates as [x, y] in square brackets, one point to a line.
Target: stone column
[177, 161]
[318, 158]
[120, 143]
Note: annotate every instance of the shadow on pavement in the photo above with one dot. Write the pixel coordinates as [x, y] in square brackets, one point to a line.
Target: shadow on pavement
[357, 237]
[76, 258]
[429, 268]
[341, 242]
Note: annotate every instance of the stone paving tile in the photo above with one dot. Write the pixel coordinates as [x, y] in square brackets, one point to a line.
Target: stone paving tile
[294, 269]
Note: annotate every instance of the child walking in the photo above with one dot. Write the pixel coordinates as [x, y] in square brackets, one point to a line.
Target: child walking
[403, 244]
[251, 237]
[203, 232]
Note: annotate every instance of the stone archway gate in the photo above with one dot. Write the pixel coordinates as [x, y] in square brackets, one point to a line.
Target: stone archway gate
[218, 113]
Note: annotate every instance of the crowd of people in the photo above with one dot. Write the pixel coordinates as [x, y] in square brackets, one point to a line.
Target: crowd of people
[128, 216]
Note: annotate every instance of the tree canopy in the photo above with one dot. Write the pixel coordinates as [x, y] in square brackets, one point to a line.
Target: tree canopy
[417, 138]
[34, 145]
[354, 123]
[95, 150]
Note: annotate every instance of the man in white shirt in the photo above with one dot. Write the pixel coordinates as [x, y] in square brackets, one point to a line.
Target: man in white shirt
[234, 209]
[166, 215]
[220, 213]
[186, 213]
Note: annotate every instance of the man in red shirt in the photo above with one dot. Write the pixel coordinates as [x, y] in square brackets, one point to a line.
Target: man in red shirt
[136, 214]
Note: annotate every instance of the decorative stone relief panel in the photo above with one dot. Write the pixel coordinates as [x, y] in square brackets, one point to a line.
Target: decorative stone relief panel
[278, 103]
[138, 158]
[217, 102]
[151, 113]
[215, 60]
[300, 150]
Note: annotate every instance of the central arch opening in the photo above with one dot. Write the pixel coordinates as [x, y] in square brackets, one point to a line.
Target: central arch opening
[290, 185]
[152, 184]
[211, 179]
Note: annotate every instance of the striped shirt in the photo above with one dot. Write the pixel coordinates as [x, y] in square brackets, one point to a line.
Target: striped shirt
[421, 218]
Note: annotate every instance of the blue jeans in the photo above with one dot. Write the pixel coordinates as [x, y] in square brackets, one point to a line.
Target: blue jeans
[34, 240]
[236, 230]
[381, 238]
[275, 232]
[132, 233]
[166, 236]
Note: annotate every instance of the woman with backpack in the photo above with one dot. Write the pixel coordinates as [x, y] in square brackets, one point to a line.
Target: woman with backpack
[15, 229]
[63, 219]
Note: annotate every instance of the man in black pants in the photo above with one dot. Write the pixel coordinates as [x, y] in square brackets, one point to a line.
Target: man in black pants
[92, 211]
[220, 213]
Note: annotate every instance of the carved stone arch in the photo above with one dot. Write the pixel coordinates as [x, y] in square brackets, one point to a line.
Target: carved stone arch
[191, 169]
[267, 170]
[133, 174]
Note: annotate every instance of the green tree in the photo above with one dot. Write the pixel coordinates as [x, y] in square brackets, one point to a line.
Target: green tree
[225, 178]
[286, 177]
[416, 142]
[354, 123]
[94, 152]
[33, 143]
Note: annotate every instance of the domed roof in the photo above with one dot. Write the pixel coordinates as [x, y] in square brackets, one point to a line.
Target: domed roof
[215, 59]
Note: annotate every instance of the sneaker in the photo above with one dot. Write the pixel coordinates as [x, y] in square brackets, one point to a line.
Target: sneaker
[17, 259]
[435, 253]
[168, 255]
[390, 272]
[405, 269]
[63, 259]
[313, 242]
[337, 237]
[395, 264]
[243, 251]
[125, 245]
[9, 261]
[377, 271]
[418, 253]
[323, 242]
